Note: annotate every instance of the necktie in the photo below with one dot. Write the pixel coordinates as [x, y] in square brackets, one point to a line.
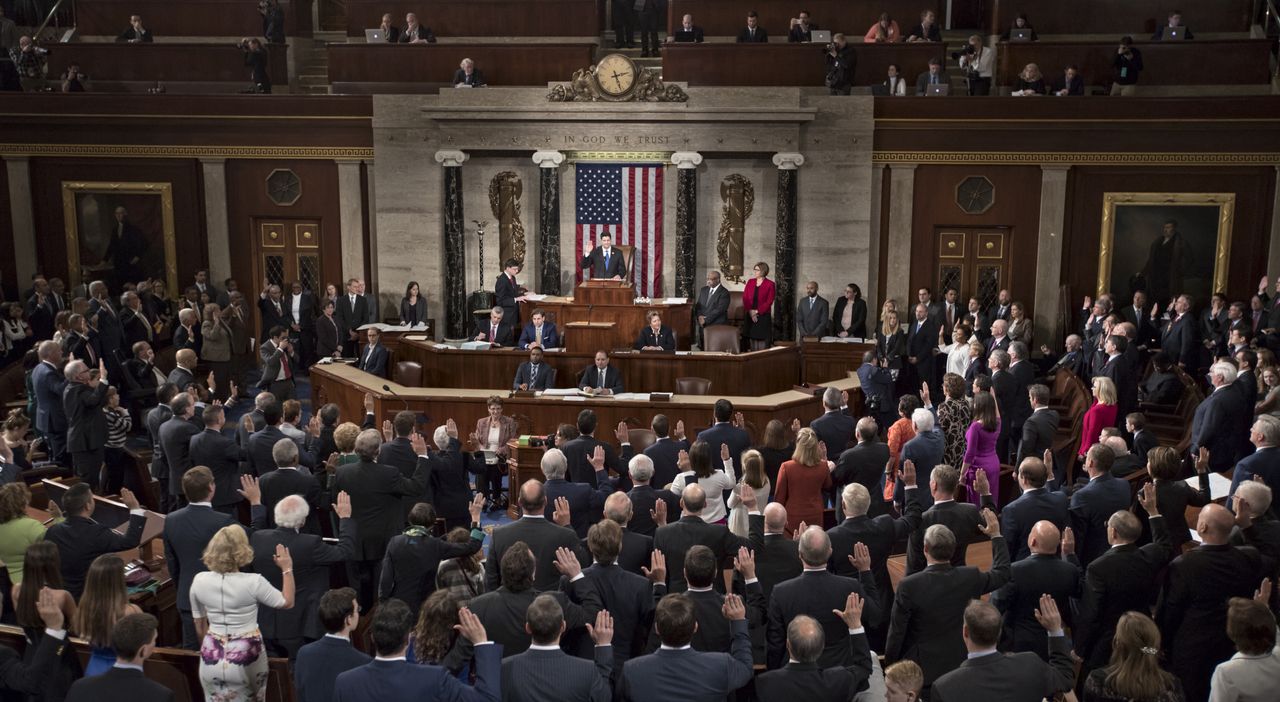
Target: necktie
[284, 366]
[493, 332]
[601, 378]
[606, 259]
[811, 301]
[538, 337]
[533, 372]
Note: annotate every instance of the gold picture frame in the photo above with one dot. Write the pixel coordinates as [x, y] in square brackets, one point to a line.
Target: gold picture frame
[1166, 206]
[73, 190]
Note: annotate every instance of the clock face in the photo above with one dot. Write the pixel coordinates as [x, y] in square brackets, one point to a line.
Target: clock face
[975, 195]
[615, 74]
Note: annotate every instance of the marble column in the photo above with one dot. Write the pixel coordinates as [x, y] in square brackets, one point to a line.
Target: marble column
[871, 291]
[686, 221]
[897, 273]
[18, 169]
[457, 316]
[548, 163]
[351, 219]
[1053, 218]
[784, 273]
[216, 226]
[1273, 249]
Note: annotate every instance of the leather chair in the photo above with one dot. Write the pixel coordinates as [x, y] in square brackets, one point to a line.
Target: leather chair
[641, 439]
[693, 386]
[628, 259]
[721, 337]
[408, 374]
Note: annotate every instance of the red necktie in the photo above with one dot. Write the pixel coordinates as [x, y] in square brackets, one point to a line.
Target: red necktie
[284, 366]
[493, 332]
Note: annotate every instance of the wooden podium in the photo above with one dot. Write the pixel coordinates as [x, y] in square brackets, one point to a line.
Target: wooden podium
[589, 337]
[613, 302]
[604, 292]
[523, 464]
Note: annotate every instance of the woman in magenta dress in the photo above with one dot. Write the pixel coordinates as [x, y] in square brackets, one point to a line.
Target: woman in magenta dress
[757, 304]
[980, 446]
[1101, 414]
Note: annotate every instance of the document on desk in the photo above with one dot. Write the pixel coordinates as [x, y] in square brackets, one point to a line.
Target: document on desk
[558, 392]
[1219, 487]
[841, 339]
[632, 397]
[534, 297]
[675, 300]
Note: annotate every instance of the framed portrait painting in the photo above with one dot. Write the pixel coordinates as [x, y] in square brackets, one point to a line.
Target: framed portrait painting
[1165, 244]
[119, 232]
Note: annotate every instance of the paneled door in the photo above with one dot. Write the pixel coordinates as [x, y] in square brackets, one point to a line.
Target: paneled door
[975, 261]
[285, 250]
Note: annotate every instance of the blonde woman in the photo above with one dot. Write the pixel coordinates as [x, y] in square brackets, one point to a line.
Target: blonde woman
[1030, 82]
[224, 604]
[891, 340]
[803, 479]
[753, 474]
[1101, 414]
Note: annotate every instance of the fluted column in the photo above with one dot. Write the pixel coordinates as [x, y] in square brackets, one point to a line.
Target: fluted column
[784, 260]
[456, 313]
[548, 163]
[686, 220]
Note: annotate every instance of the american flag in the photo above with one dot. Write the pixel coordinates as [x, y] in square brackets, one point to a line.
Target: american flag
[624, 201]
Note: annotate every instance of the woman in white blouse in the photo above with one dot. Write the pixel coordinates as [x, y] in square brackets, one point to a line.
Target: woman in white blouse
[958, 350]
[696, 466]
[224, 605]
[753, 474]
[978, 63]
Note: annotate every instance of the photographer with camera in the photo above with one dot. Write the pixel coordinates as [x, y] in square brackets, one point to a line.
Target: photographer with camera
[74, 79]
[255, 57]
[1127, 64]
[977, 62]
[840, 65]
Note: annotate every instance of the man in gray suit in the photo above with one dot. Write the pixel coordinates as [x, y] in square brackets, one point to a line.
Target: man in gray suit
[811, 313]
[713, 304]
[83, 399]
[676, 671]
[545, 673]
[990, 674]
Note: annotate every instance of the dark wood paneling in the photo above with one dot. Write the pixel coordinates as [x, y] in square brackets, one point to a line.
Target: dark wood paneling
[786, 64]
[482, 18]
[853, 17]
[47, 175]
[8, 268]
[1250, 230]
[1199, 62]
[161, 62]
[501, 64]
[1136, 17]
[1016, 206]
[189, 18]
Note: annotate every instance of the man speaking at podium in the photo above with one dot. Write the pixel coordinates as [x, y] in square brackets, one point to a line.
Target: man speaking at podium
[604, 260]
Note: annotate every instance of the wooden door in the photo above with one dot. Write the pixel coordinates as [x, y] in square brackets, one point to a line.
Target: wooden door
[285, 250]
[974, 261]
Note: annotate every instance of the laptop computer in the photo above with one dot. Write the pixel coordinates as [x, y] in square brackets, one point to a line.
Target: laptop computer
[820, 36]
[1020, 34]
[937, 89]
[1175, 33]
[374, 36]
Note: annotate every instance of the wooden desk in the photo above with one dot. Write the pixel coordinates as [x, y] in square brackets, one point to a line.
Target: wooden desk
[1137, 17]
[589, 337]
[522, 465]
[346, 386]
[1196, 62]
[418, 68]
[628, 317]
[481, 18]
[799, 65]
[853, 17]
[189, 18]
[753, 373]
[194, 67]
[823, 361]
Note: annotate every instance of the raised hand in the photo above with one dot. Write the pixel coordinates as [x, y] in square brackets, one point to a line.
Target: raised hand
[1147, 498]
[738, 420]
[747, 494]
[745, 563]
[1088, 302]
[733, 609]
[249, 489]
[682, 461]
[561, 515]
[992, 526]
[283, 560]
[657, 570]
[800, 529]
[861, 558]
[659, 513]
[851, 615]
[1263, 593]
[342, 507]
[49, 609]
[1048, 460]
[387, 433]
[597, 459]
[1068, 542]
[1202, 460]
[246, 423]
[795, 425]
[451, 428]
[314, 425]
[469, 627]
[1048, 614]
[678, 434]
[602, 632]
[368, 403]
[981, 483]
[924, 394]
[622, 433]
[909, 473]
[127, 497]
[567, 563]
[419, 444]
[724, 453]
[476, 507]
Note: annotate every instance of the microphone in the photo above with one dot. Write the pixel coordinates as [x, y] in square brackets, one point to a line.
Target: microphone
[395, 394]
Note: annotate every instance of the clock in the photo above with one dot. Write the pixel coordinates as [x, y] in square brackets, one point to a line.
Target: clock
[615, 76]
[975, 195]
[284, 187]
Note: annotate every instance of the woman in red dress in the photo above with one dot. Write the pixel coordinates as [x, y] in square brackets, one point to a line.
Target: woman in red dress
[757, 303]
[802, 480]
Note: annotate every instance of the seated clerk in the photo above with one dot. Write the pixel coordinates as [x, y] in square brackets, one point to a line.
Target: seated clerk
[1070, 84]
[539, 333]
[494, 330]
[687, 32]
[533, 374]
[656, 336]
[600, 376]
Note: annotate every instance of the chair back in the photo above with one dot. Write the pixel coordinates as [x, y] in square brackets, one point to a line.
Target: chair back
[720, 337]
[628, 255]
[641, 439]
[736, 311]
[693, 386]
[408, 374]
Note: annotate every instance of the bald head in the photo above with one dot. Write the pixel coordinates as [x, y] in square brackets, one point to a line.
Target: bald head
[1044, 538]
[533, 497]
[693, 499]
[775, 518]
[805, 639]
[617, 508]
[1214, 524]
[815, 547]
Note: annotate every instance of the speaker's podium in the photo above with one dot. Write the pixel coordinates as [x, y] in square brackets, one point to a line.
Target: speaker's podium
[604, 292]
[596, 303]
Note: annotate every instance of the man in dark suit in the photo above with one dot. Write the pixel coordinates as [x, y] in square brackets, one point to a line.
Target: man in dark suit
[1024, 373]
[398, 453]
[222, 456]
[1194, 606]
[449, 486]
[1264, 462]
[290, 478]
[186, 533]
[1035, 503]
[320, 662]
[924, 451]
[414, 557]
[391, 677]
[929, 606]
[712, 305]
[376, 491]
[277, 364]
[1139, 315]
[816, 592]
[812, 313]
[637, 549]
[991, 675]
[675, 539]
[133, 320]
[301, 306]
[676, 671]
[586, 503]
[700, 570]
[547, 673]
[777, 557]
[835, 426]
[1120, 580]
[604, 260]
[533, 374]
[802, 678]
[49, 381]
[133, 638]
[496, 329]
[1041, 573]
[184, 370]
[645, 499]
[665, 449]
[880, 535]
[753, 33]
[1121, 372]
[962, 518]
[83, 400]
[287, 630]
[1178, 337]
[135, 34]
[863, 464]
[80, 539]
[373, 360]
[107, 323]
[272, 309]
[1094, 503]
[1162, 386]
[687, 32]
[1217, 419]
[1040, 426]
[175, 441]
[543, 536]
[261, 444]
[350, 312]
[727, 430]
[922, 345]
[579, 452]
[601, 377]
[539, 333]
[1072, 359]
[508, 293]
[627, 596]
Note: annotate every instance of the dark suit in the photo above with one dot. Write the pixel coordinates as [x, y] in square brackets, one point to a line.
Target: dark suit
[715, 308]
[962, 518]
[863, 464]
[809, 682]
[777, 557]
[928, 612]
[283, 482]
[186, 534]
[676, 538]
[221, 455]
[287, 629]
[373, 360]
[1163, 388]
[1216, 424]
[1009, 676]
[1265, 463]
[555, 676]
[376, 491]
[877, 382]
[665, 454]
[643, 499]
[1178, 339]
[590, 378]
[533, 378]
[1038, 431]
[1091, 507]
[811, 316]
[816, 593]
[119, 684]
[714, 632]
[260, 446]
[274, 314]
[503, 613]
[449, 486]
[550, 337]
[1033, 576]
[349, 317]
[835, 429]
[51, 416]
[664, 338]
[476, 78]
[578, 453]
[925, 451]
[378, 681]
[756, 36]
[1017, 517]
[181, 377]
[504, 337]
[175, 440]
[922, 340]
[1120, 372]
[688, 675]
[398, 453]
[585, 502]
[543, 537]
[87, 428]
[505, 288]
[630, 599]
[736, 438]
[602, 267]
[691, 35]
[80, 540]
[320, 663]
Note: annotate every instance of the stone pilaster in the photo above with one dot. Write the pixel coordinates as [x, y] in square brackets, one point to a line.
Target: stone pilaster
[686, 221]
[457, 316]
[897, 285]
[1053, 218]
[351, 219]
[214, 171]
[23, 216]
[784, 273]
[548, 163]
